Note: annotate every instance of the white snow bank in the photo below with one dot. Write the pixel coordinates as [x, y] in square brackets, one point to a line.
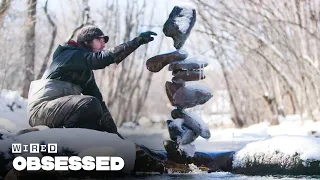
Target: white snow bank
[283, 150]
[14, 108]
[8, 125]
[295, 127]
[291, 125]
[12, 97]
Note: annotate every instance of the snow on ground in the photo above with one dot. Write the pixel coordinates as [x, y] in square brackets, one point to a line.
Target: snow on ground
[279, 150]
[12, 107]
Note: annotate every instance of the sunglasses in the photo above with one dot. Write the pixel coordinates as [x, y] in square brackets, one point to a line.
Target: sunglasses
[101, 40]
[104, 39]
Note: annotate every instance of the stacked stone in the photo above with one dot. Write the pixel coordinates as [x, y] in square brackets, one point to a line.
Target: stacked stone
[185, 127]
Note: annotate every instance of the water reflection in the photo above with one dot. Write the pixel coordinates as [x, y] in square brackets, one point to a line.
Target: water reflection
[216, 176]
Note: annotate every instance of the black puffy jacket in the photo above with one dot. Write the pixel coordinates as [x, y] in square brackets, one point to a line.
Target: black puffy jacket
[74, 64]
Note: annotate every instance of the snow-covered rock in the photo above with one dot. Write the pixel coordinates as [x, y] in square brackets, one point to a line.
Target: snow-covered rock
[285, 153]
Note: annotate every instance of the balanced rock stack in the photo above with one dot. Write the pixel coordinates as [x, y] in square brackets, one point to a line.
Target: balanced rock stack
[185, 126]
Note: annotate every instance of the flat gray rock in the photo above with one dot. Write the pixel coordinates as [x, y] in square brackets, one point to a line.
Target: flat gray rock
[189, 75]
[187, 96]
[188, 64]
[156, 63]
[179, 81]
[171, 89]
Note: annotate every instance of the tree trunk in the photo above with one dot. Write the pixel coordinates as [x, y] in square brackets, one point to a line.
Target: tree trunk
[29, 47]
[4, 6]
[236, 116]
[53, 37]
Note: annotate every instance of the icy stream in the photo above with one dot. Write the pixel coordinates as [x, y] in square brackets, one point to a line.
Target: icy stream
[152, 141]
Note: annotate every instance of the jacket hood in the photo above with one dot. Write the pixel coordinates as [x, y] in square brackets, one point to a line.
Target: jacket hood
[69, 46]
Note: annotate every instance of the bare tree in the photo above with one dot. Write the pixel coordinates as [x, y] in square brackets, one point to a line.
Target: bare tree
[53, 37]
[4, 6]
[127, 84]
[29, 47]
[268, 47]
[86, 19]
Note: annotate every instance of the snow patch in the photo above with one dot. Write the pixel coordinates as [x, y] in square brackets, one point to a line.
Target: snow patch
[8, 125]
[283, 150]
[191, 60]
[178, 123]
[194, 169]
[188, 149]
[183, 21]
[129, 125]
[13, 108]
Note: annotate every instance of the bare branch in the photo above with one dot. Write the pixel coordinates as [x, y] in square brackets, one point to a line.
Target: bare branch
[53, 37]
[86, 19]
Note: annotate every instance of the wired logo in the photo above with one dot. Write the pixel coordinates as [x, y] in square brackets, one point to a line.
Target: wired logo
[61, 163]
[34, 148]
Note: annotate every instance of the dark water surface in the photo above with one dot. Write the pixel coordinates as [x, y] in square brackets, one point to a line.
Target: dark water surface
[216, 176]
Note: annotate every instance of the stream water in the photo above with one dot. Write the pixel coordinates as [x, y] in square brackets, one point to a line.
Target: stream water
[154, 141]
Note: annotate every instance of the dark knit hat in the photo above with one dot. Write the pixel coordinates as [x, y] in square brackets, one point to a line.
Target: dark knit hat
[90, 32]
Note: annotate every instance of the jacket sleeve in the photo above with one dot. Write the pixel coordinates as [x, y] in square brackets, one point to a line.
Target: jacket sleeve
[122, 51]
[99, 60]
[92, 89]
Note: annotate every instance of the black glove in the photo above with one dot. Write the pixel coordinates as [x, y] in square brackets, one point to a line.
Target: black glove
[145, 37]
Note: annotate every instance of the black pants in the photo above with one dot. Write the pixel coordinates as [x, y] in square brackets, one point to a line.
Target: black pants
[74, 111]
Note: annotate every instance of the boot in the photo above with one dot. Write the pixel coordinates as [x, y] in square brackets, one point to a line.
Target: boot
[107, 124]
